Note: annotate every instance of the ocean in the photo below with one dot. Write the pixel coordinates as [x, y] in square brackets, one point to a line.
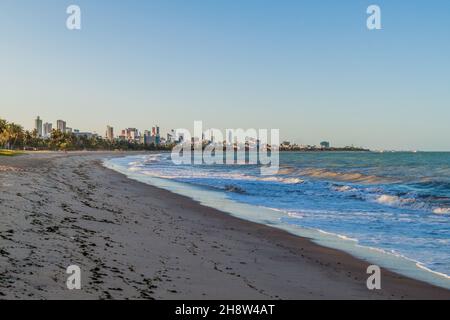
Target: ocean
[390, 208]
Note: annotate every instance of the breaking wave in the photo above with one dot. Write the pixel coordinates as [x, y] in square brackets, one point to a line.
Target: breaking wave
[390, 202]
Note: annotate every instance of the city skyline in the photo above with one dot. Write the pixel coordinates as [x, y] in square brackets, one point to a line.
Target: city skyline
[154, 136]
[313, 71]
[44, 130]
[143, 136]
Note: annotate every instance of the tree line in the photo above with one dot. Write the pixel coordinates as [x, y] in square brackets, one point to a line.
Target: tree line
[14, 137]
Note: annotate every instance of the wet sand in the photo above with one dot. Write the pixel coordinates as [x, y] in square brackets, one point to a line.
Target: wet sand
[135, 241]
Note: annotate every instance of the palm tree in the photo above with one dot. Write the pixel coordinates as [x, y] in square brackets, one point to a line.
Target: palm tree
[3, 132]
[13, 133]
[3, 124]
[28, 139]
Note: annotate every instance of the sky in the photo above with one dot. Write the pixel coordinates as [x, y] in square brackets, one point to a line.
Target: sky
[309, 68]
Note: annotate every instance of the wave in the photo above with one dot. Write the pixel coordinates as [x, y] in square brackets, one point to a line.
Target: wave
[340, 236]
[394, 253]
[441, 211]
[418, 264]
[342, 209]
[287, 170]
[421, 266]
[235, 189]
[408, 203]
[343, 189]
[393, 200]
[283, 180]
[160, 166]
[345, 176]
[405, 200]
[166, 171]
[432, 184]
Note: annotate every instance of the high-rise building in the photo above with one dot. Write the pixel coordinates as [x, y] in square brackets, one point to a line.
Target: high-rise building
[156, 135]
[47, 129]
[148, 139]
[61, 126]
[87, 135]
[38, 126]
[130, 135]
[230, 137]
[109, 133]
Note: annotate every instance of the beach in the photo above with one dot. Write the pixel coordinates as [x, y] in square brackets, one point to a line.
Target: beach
[135, 241]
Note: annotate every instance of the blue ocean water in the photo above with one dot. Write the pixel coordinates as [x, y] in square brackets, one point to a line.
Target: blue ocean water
[396, 202]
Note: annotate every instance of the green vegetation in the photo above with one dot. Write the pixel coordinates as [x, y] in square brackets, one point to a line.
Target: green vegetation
[8, 153]
[14, 137]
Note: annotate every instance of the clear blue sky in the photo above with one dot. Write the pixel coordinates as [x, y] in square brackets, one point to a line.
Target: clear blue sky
[309, 68]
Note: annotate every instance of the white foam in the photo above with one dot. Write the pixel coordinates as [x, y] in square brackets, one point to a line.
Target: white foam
[441, 211]
[283, 180]
[343, 189]
[393, 200]
[340, 236]
[384, 199]
[440, 274]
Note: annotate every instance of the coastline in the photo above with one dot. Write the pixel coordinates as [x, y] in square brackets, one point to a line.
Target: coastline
[262, 212]
[138, 241]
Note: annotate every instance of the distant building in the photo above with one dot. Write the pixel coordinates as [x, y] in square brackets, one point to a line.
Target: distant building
[156, 135]
[172, 136]
[146, 138]
[48, 127]
[169, 138]
[69, 130]
[38, 126]
[61, 126]
[155, 131]
[87, 135]
[130, 135]
[325, 145]
[149, 138]
[109, 133]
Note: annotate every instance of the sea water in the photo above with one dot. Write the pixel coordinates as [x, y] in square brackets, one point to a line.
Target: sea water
[392, 209]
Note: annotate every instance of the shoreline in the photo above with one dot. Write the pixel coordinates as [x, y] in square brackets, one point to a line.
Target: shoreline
[396, 262]
[323, 243]
[204, 252]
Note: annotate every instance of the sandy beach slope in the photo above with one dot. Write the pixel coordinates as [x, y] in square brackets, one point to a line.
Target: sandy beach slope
[139, 242]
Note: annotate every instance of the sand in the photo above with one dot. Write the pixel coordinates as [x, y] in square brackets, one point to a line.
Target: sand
[135, 241]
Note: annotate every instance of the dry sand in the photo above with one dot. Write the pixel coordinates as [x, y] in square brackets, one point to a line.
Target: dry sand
[136, 241]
